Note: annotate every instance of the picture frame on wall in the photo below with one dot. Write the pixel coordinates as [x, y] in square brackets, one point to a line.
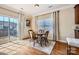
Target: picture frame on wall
[27, 22]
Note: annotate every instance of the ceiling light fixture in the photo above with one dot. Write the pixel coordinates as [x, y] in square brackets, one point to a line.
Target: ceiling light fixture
[21, 8]
[50, 6]
[36, 5]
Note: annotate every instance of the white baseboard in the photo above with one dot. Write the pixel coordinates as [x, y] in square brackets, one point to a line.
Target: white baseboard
[64, 41]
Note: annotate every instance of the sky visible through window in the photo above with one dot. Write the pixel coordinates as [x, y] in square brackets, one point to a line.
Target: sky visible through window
[7, 23]
[45, 24]
[7, 19]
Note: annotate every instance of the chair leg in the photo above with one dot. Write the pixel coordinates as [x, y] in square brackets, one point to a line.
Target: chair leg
[68, 50]
[46, 42]
[34, 43]
[41, 42]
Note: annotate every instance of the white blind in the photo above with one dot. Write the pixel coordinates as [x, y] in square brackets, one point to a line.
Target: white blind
[45, 22]
[7, 12]
[45, 16]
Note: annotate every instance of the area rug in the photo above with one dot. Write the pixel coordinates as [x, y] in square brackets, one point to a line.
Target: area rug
[47, 49]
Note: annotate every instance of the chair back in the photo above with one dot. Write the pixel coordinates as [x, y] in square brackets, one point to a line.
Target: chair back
[31, 34]
[46, 34]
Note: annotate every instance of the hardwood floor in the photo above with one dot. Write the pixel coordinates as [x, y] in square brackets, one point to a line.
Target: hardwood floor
[29, 51]
[59, 49]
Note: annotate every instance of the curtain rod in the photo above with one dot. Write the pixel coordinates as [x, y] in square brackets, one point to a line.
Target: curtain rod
[47, 13]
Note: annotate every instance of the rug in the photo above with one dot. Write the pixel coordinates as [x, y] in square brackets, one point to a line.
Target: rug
[29, 43]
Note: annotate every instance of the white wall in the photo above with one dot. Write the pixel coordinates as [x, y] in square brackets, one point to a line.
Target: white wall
[66, 23]
[24, 28]
[33, 24]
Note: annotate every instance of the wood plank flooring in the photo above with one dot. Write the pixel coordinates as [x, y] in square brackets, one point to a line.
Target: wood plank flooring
[59, 49]
[29, 51]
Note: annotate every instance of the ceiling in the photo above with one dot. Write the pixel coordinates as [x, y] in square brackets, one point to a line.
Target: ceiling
[30, 9]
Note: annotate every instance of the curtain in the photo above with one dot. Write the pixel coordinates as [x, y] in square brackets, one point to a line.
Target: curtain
[22, 25]
[56, 33]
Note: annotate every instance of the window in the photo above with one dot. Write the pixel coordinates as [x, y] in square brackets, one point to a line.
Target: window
[45, 22]
[1, 22]
[8, 26]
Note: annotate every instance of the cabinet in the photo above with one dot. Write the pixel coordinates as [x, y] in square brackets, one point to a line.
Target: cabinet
[76, 33]
[76, 14]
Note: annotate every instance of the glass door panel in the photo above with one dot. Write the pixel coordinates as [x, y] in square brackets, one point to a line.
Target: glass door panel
[13, 29]
[1, 30]
[1, 27]
[6, 28]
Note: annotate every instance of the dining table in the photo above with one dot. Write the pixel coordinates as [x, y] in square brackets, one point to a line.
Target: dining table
[41, 37]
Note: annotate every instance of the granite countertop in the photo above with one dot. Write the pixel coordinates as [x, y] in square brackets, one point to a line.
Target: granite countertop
[73, 42]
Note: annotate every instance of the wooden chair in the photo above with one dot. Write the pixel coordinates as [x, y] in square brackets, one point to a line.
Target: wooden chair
[45, 38]
[32, 36]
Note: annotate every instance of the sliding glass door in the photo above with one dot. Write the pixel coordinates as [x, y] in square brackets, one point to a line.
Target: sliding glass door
[8, 28]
